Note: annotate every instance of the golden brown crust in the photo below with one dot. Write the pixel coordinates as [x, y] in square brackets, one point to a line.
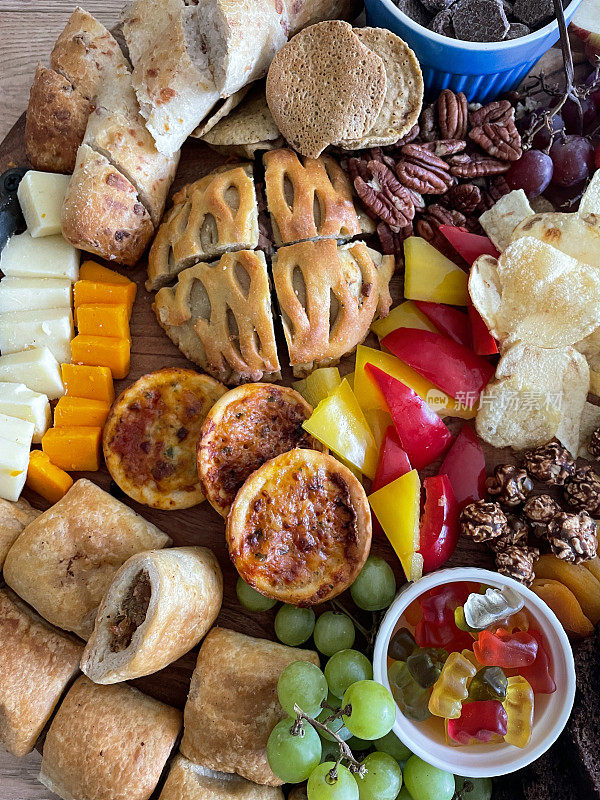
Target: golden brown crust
[64, 561]
[246, 427]
[108, 743]
[14, 518]
[232, 706]
[308, 199]
[299, 529]
[302, 13]
[219, 315]
[189, 781]
[55, 123]
[102, 212]
[328, 297]
[211, 216]
[36, 664]
[151, 433]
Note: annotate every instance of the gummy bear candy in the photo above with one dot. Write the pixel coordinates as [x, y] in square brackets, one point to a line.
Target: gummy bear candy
[538, 674]
[402, 644]
[426, 664]
[503, 649]
[479, 720]
[412, 699]
[450, 689]
[488, 684]
[519, 709]
[483, 610]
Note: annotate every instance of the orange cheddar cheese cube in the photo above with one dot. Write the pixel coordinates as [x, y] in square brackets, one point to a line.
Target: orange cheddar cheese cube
[92, 383]
[89, 292]
[72, 411]
[92, 271]
[45, 478]
[102, 351]
[76, 447]
[104, 319]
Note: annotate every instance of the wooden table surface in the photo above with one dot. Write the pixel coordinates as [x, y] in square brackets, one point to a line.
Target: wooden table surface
[29, 29]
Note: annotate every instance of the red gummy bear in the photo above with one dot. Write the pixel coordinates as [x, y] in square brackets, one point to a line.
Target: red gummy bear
[480, 720]
[538, 674]
[504, 649]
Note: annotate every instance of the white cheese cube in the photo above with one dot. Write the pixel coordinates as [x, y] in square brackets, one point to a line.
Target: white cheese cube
[14, 460]
[36, 368]
[49, 257]
[16, 430]
[17, 400]
[27, 294]
[41, 195]
[51, 328]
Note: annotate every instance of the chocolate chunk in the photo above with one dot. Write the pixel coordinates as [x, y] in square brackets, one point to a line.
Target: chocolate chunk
[437, 5]
[534, 12]
[479, 20]
[516, 30]
[442, 24]
[415, 10]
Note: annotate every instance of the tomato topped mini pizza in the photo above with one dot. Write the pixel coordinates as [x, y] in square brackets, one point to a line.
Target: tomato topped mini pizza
[246, 427]
[300, 528]
[151, 434]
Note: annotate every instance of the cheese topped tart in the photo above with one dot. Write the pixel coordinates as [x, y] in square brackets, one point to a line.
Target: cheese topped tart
[299, 529]
[246, 427]
[151, 433]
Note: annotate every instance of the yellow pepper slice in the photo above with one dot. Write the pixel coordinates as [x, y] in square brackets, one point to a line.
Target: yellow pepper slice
[339, 423]
[429, 275]
[397, 507]
[406, 315]
[319, 385]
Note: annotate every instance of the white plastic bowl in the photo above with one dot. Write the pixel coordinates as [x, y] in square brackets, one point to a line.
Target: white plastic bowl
[551, 710]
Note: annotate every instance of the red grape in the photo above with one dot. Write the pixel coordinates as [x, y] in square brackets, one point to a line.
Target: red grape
[532, 173]
[573, 159]
[542, 138]
[565, 198]
[570, 114]
[595, 95]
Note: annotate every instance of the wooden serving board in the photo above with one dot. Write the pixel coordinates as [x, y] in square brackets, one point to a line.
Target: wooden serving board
[201, 525]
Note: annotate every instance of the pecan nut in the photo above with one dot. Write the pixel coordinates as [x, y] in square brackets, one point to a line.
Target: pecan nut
[475, 165]
[410, 136]
[445, 147]
[429, 223]
[452, 114]
[428, 124]
[391, 241]
[385, 196]
[498, 111]
[501, 141]
[423, 171]
[465, 197]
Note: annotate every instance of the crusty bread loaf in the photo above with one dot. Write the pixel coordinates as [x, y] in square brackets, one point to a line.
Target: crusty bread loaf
[102, 212]
[171, 75]
[116, 130]
[55, 123]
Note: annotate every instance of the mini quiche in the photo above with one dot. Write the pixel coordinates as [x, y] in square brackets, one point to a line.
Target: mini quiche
[246, 427]
[151, 434]
[299, 529]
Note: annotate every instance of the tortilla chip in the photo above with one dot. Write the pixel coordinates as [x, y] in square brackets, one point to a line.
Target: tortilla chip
[590, 202]
[502, 218]
[536, 395]
[574, 234]
[537, 295]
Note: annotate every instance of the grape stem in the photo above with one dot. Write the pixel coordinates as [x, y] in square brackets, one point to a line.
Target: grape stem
[368, 634]
[345, 752]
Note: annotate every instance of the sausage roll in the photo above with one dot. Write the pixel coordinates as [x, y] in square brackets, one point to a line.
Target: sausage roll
[232, 706]
[108, 743]
[14, 517]
[159, 605]
[189, 781]
[36, 664]
[65, 560]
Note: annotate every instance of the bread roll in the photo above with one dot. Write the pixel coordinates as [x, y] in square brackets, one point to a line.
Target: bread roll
[159, 605]
[37, 662]
[302, 13]
[14, 518]
[108, 743]
[102, 211]
[189, 781]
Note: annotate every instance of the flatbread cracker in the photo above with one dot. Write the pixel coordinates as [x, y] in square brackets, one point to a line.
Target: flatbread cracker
[325, 86]
[404, 93]
[537, 295]
[502, 218]
[222, 110]
[576, 235]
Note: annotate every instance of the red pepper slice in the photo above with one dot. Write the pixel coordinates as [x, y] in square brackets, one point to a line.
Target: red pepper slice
[439, 522]
[484, 343]
[448, 320]
[393, 461]
[450, 366]
[469, 245]
[465, 467]
[422, 434]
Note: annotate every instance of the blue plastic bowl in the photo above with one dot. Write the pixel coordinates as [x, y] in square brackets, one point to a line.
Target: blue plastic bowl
[480, 70]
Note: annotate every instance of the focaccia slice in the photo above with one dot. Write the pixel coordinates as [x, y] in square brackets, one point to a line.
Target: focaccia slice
[299, 529]
[219, 315]
[211, 216]
[310, 199]
[232, 706]
[328, 297]
[151, 434]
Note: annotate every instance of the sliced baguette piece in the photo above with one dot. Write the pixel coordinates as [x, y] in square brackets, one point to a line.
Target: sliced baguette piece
[55, 122]
[159, 605]
[102, 212]
[86, 53]
[171, 76]
[117, 131]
